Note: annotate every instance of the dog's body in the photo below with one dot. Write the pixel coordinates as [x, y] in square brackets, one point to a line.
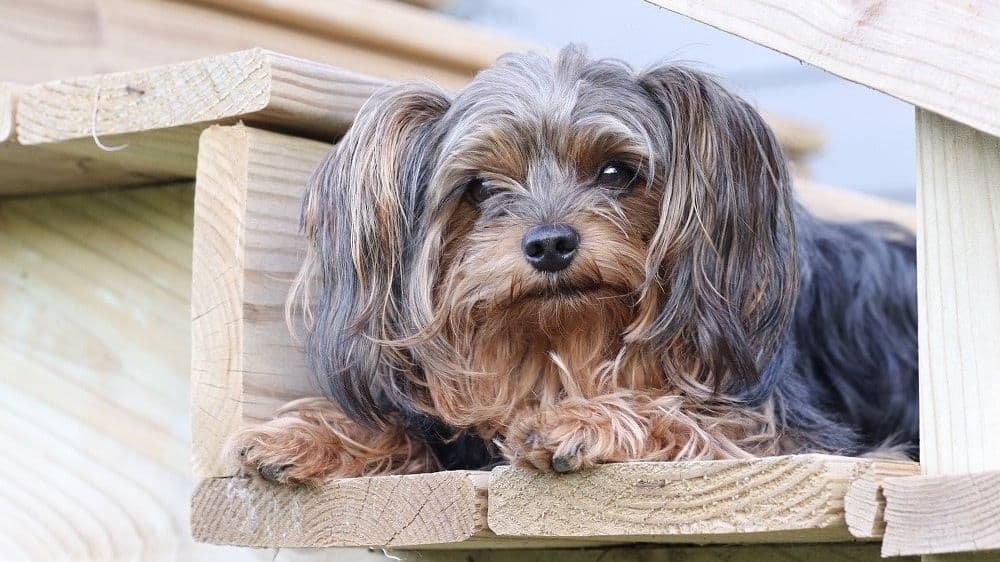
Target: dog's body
[569, 264]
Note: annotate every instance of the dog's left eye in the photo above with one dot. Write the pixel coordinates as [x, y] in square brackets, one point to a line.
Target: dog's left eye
[618, 174]
[476, 191]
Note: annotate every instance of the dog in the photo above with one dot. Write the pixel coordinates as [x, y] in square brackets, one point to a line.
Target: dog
[570, 263]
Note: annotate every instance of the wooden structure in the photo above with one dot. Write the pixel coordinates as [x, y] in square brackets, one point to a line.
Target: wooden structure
[942, 57]
[116, 266]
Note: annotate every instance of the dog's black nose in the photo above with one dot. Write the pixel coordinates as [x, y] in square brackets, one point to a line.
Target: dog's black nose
[550, 247]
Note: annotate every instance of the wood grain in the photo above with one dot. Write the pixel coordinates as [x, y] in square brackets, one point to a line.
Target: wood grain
[55, 39]
[779, 499]
[258, 86]
[958, 259]
[390, 511]
[407, 31]
[94, 348]
[8, 104]
[942, 514]
[247, 250]
[940, 56]
[864, 504]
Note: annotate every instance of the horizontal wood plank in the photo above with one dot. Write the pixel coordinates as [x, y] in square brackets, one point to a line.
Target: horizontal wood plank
[942, 514]
[779, 499]
[864, 504]
[257, 86]
[937, 55]
[388, 511]
[8, 104]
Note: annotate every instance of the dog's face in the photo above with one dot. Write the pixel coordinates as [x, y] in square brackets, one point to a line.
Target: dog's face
[552, 209]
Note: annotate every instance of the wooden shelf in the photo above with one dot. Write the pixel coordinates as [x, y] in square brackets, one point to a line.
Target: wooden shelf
[789, 499]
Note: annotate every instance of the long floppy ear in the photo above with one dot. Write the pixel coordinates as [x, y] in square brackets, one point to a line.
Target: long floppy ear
[724, 250]
[360, 208]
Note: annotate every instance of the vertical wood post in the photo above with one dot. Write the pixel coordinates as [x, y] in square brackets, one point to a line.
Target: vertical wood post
[958, 259]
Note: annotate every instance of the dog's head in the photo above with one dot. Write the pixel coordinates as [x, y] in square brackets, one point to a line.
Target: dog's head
[546, 199]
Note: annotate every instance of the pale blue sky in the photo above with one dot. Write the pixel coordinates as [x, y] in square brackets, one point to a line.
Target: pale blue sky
[869, 136]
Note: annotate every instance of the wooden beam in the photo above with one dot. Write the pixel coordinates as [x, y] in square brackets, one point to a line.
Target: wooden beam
[261, 87]
[837, 204]
[392, 511]
[937, 55]
[779, 499]
[247, 250]
[959, 334]
[942, 514]
[8, 104]
[407, 31]
[157, 114]
[864, 504]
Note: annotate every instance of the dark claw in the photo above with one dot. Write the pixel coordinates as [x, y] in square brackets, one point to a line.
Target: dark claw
[271, 472]
[562, 464]
[243, 452]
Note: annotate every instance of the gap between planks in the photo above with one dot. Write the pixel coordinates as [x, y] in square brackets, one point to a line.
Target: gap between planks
[789, 499]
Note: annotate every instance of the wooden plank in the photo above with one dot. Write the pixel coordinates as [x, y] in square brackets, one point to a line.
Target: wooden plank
[384, 25]
[779, 499]
[390, 511]
[54, 39]
[147, 122]
[937, 55]
[247, 250]
[864, 504]
[8, 104]
[261, 87]
[959, 296]
[93, 390]
[959, 334]
[942, 514]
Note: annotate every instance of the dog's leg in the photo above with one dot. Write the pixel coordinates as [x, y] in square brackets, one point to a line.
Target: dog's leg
[310, 440]
[578, 433]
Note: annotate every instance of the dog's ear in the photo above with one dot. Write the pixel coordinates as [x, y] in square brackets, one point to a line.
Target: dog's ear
[724, 249]
[361, 206]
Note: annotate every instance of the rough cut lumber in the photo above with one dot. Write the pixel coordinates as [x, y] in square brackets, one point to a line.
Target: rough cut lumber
[8, 104]
[408, 31]
[247, 250]
[942, 514]
[940, 56]
[94, 347]
[389, 511]
[864, 504]
[780, 499]
[54, 39]
[261, 87]
[959, 296]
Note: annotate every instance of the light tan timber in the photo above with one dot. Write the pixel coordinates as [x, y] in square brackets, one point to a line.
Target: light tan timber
[8, 105]
[780, 499]
[864, 504]
[942, 514]
[390, 511]
[94, 348]
[959, 337]
[247, 250]
[959, 296]
[55, 39]
[384, 25]
[261, 87]
[941, 56]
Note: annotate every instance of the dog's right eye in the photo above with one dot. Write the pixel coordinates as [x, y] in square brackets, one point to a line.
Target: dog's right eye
[476, 191]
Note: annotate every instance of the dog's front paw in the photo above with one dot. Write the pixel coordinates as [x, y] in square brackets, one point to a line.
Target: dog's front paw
[286, 451]
[573, 435]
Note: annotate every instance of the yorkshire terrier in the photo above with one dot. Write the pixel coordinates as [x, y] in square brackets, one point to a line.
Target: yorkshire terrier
[569, 263]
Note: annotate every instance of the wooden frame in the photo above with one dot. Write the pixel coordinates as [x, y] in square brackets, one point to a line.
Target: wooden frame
[910, 50]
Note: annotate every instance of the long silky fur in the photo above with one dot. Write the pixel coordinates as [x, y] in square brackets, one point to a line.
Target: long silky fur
[722, 318]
